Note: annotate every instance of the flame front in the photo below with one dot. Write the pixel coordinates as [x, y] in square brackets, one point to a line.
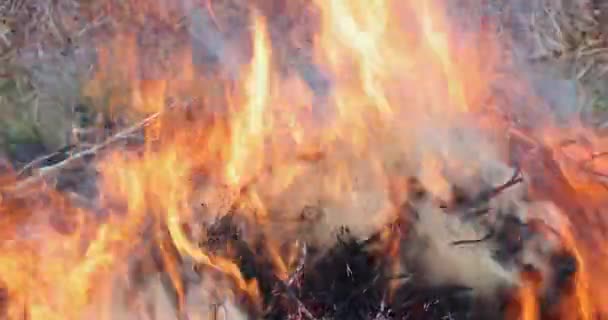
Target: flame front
[401, 80]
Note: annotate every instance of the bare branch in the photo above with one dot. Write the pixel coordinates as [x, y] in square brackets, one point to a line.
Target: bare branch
[51, 171]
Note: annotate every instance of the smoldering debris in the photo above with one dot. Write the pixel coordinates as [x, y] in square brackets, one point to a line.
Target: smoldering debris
[431, 276]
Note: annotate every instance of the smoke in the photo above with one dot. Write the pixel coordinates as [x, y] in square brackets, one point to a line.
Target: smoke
[207, 299]
[458, 239]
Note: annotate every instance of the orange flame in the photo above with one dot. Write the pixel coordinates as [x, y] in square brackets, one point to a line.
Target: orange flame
[249, 124]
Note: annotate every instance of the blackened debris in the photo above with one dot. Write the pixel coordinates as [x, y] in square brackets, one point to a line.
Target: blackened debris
[354, 280]
[442, 302]
[510, 238]
[220, 233]
[564, 269]
[253, 259]
[348, 282]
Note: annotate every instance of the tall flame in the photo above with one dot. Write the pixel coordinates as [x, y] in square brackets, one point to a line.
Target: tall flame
[250, 124]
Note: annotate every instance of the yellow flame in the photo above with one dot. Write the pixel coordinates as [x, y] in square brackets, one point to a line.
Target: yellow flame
[249, 124]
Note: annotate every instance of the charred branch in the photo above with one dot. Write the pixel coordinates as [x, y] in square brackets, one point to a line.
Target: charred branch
[462, 201]
[474, 241]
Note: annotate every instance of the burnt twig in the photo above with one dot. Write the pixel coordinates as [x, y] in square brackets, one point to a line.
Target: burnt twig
[474, 241]
[515, 179]
[292, 278]
[474, 203]
[291, 295]
[286, 285]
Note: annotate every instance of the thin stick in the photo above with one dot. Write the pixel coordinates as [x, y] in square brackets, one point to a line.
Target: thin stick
[50, 171]
[299, 268]
[301, 307]
[474, 241]
[515, 179]
[283, 288]
[38, 161]
[287, 285]
[487, 195]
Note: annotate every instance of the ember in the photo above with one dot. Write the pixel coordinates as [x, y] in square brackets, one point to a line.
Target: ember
[308, 160]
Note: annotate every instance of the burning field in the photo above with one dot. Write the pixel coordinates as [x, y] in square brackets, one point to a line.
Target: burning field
[325, 159]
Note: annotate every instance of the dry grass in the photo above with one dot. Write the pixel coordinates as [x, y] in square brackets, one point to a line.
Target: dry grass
[570, 35]
[40, 68]
[46, 50]
[47, 53]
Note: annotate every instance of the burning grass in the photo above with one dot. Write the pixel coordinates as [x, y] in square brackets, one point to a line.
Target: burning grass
[326, 160]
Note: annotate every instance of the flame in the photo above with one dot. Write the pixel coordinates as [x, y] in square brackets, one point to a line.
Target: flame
[528, 297]
[360, 29]
[249, 124]
[268, 145]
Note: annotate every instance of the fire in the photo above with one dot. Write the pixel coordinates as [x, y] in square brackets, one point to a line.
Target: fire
[264, 146]
[359, 29]
[528, 294]
[249, 123]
